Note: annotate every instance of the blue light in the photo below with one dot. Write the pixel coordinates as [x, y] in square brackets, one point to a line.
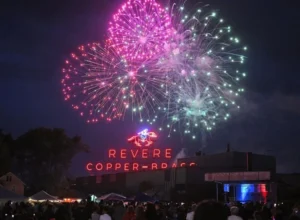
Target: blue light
[143, 134]
[226, 187]
[244, 192]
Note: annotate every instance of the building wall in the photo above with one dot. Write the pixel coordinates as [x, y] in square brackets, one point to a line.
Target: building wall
[12, 183]
[195, 175]
[183, 182]
[156, 177]
[195, 187]
[102, 184]
[127, 183]
[211, 162]
[233, 161]
[181, 175]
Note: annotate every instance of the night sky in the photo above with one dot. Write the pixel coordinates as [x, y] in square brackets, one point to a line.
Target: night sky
[37, 36]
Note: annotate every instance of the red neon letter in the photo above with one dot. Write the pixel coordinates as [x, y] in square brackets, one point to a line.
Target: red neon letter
[135, 166]
[154, 166]
[164, 165]
[126, 167]
[174, 165]
[192, 164]
[156, 153]
[108, 166]
[145, 153]
[182, 164]
[88, 166]
[117, 166]
[99, 166]
[123, 153]
[111, 153]
[134, 154]
[168, 153]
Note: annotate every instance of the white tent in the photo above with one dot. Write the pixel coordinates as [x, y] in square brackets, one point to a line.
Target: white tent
[6, 195]
[112, 197]
[43, 196]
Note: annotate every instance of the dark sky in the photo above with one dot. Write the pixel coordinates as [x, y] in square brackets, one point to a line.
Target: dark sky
[37, 36]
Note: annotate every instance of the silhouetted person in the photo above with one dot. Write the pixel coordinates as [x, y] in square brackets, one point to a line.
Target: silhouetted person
[139, 213]
[62, 213]
[265, 213]
[150, 213]
[105, 215]
[119, 211]
[210, 210]
[234, 211]
[257, 215]
[190, 215]
[129, 214]
[95, 215]
[159, 212]
[48, 214]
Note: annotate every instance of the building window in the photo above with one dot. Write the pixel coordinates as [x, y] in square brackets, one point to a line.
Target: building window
[13, 188]
[8, 178]
[98, 179]
[112, 178]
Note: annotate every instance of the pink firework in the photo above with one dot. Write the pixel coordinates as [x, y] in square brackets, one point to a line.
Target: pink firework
[91, 82]
[140, 29]
[100, 84]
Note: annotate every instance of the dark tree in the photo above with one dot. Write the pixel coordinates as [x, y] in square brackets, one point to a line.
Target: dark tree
[44, 156]
[6, 152]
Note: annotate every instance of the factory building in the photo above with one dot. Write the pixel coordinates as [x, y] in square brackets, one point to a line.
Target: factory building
[239, 176]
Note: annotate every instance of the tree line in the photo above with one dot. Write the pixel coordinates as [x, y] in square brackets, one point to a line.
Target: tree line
[41, 157]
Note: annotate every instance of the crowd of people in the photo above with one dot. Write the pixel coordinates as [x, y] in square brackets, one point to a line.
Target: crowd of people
[206, 210]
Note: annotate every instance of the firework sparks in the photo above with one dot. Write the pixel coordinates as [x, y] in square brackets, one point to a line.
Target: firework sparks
[140, 29]
[164, 65]
[102, 85]
[203, 60]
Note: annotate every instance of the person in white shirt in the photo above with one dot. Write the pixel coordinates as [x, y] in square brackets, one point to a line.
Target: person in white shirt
[105, 216]
[234, 214]
[190, 215]
[95, 215]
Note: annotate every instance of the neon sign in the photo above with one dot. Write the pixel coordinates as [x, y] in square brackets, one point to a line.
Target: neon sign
[140, 153]
[139, 158]
[144, 137]
[132, 166]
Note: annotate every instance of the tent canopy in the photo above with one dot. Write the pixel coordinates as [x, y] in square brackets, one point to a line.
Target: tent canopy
[142, 197]
[8, 195]
[42, 195]
[112, 197]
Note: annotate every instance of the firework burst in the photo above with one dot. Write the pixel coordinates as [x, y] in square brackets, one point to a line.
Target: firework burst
[140, 29]
[163, 65]
[204, 60]
[102, 85]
